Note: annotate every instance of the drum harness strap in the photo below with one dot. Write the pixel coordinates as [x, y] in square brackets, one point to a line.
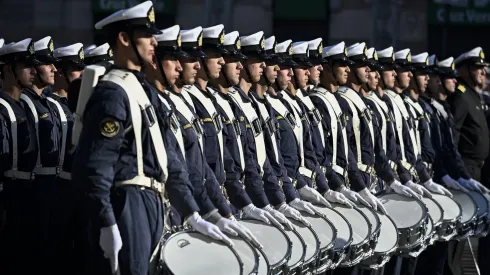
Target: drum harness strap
[298, 132]
[313, 112]
[139, 103]
[269, 123]
[336, 117]
[39, 170]
[254, 123]
[357, 105]
[419, 112]
[440, 109]
[174, 125]
[400, 112]
[64, 129]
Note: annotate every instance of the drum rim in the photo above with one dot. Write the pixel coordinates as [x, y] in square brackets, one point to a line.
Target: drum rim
[435, 224]
[478, 208]
[288, 252]
[349, 241]
[265, 259]
[303, 254]
[189, 231]
[378, 227]
[317, 249]
[365, 218]
[474, 216]
[334, 231]
[421, 203]
[397, 237]
[255, 270]
[458, 218]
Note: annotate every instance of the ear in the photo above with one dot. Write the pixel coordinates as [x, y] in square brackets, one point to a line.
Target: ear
[123, 38]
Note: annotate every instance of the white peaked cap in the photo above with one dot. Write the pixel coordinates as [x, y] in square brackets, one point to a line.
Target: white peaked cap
[283, 47]
[25, 45]
[448, 62]
[213, 32]
[231, 38]
[143, 10]
[168, 34]
[476, 52]
[370, 53]
[86, 50]
[357, 49]
[253, 39]
[386, 53]
[334, 49]
[2, 42]
[98, 51]
[191, 35]
[269, 43]
[432, 60]
[421, 58]
[300, 48]
[71, 50]
[403, 54]
[43, 44]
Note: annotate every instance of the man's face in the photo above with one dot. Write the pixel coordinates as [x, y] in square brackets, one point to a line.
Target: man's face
[145, 43]
[190, 67]
[214, 63]
[450, 84]
[478, 73]
[232, 70]
[389, 78]
[341, 73]
[373, 80]
[271, 73]
[25, 74]
[302, 75]
[255, 68]
[284, 77]
[315, 74]
[404, 79]
[422, 80]
[46, 73]
[435, 84]
[172, 69]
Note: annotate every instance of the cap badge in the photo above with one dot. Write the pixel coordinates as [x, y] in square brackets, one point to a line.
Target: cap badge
[179, 40]
[199, 40]
[345, 51]
[31, 48]
[320, 47]
[409, 57]
[375, 55]
[275, 47]
[290, 51]
[393, 56]
[110, 53]
[452, 66]
[51, 45]
[427, 61]
[238, 44]
[222, 37]
[81, 54]
[482, 55]
[262, 43]
[151, 15]
[365, 52]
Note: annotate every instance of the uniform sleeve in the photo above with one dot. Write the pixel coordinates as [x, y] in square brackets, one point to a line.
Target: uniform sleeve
[311, 161]
[459, 109]
[253, 180]
[428, 153]
[287, 186]
[215, 193]
[422, 170]
[271, 185]
[381, 162]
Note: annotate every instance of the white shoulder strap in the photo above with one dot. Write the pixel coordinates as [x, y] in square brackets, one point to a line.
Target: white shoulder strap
[13, 132]
[267, 119]
[312, 110]
[29, 102]
[374, 98]
[399, 125]
[138, 98]
[185, 111]
[439, 108]
[234, 122]
[417, 148]
[176, 129]
[64, 130]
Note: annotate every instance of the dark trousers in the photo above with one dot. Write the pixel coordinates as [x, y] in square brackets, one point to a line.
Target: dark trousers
[408, 266]
[432, 260]
[484, 255]
[139, 215]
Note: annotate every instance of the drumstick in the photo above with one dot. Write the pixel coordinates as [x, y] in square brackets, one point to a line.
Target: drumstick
[473, 256]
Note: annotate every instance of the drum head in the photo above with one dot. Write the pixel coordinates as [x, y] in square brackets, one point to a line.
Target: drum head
[371, 215]
[487, 197]
[344, 230]
[388, 236]
[323, 228]
[310, 239]
[276, 244]
[247, 253]
[298, 249]
[361, 228]
[263, 264]
[435, 210]
[405, 212]
[481, 202]
[203, 251]
[451, 208]
[468, 206]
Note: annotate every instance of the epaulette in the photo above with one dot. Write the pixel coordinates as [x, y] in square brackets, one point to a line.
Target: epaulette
[461, 88]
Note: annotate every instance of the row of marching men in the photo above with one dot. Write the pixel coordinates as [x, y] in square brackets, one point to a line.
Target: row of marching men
[223, 125]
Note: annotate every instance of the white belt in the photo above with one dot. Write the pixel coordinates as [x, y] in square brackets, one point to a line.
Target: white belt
[47, 171]
[293, 181]
[144, 182]
[393, 165]
[410, 169]
[65, 175]
[339, 170]
[428, 165]
[306, 172]
[366, 168]
[15, 174]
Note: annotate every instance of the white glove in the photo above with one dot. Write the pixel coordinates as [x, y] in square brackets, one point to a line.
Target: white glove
[453, 184]
[474, 185]
[418, 189]
[252, 212]
[207, 228]
[437, 188]
[338, 197]
[290, 212]
[232, 227]
[309, 194]
[278, 216]
[398, 188]
[353, 196]
[306, 206]
[111, 243]
[374, 203]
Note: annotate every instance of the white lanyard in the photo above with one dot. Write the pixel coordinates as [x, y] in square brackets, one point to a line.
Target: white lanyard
[314, 112]
[64, 130]
[298, 130]
[267, 119]
[381, 110]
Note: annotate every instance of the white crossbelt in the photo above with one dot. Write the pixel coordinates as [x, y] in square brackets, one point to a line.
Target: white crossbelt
[416, 130]
[252, 118]
[14, 173]
[382, 110]
[138, 103]
[213, 114]
[177, 130]
[266, 118]
[313, 111]
[64, 130]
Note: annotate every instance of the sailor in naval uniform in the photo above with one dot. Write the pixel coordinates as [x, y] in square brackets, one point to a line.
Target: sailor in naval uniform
[20, 155]
[223, 130]
[125, 203]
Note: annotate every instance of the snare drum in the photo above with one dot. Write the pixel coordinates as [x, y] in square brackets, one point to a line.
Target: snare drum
[185, 245]
[264, 267]
[436, 213]
[361, 234]
[481, 229]
[298, 252]
[451, 217]
[277, 246]
[375, 225]
[386, 245]
[344, 235]
[410, 217]
[326, 233]
[248, 254]
[466, 226]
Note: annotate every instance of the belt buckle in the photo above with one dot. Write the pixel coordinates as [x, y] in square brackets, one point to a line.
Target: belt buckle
[33, 176]
[295, 181]
[58, 170]
[155, 185]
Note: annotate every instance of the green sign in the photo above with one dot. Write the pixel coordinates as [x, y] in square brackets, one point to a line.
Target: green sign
[459, 12]
[297, 10]
[108, 6]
